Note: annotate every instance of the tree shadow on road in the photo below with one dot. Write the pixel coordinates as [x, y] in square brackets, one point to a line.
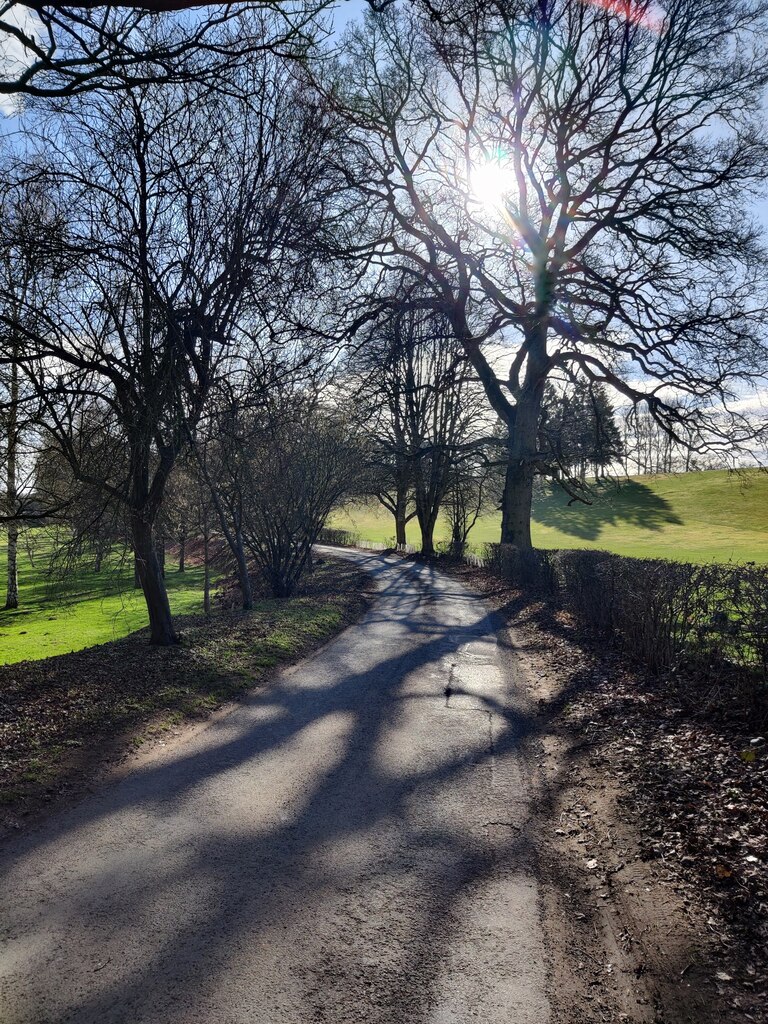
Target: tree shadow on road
[179, 894]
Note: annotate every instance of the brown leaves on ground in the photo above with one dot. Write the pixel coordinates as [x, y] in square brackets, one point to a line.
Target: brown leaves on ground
[61, 717]
[691, 765]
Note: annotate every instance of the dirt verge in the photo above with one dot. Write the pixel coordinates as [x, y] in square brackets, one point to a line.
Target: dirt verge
[650, 827]
[67, 722]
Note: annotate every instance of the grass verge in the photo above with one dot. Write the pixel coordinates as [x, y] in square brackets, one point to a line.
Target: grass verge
[64, 609]
[63, 717]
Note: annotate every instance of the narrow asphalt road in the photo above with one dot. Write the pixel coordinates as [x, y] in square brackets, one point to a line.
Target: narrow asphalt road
[347, 845]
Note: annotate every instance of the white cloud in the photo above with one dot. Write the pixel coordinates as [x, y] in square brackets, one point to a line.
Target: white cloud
[756, 404]
[14, 55]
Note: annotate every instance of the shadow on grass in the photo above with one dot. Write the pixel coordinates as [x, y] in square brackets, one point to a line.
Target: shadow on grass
[71, 606]
[106, 695]
[630, 504]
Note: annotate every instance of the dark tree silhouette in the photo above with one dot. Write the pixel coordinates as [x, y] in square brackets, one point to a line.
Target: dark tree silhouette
[63, 49]
[31, 271]
[578, 432]
[302, 462]
[181, 205]
[418, 402]
[573, 181]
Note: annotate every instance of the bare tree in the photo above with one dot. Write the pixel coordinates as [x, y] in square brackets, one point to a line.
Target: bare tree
[173, 225]
[62, 49]
[572, 181]
[417, 400]
[180, 507]
[30, 271]
[650, 449]
[11, 430]
[376, 387]
[221, 445]
[441, 411]
[473, 490]
[204, 521]
[289, 330]
[303, 461]
[233, 426]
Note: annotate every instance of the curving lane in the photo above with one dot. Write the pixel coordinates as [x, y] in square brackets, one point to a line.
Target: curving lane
[348, 844]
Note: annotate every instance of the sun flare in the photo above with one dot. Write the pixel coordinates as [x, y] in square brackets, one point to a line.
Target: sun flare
[491, 182]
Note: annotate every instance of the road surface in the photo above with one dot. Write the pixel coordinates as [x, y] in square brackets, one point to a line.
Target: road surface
[347, 845]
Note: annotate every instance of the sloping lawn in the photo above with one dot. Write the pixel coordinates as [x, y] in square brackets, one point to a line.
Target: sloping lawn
[67, 611]
[700, 517]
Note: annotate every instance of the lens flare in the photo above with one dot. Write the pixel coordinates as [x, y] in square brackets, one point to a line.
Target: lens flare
[646, 16]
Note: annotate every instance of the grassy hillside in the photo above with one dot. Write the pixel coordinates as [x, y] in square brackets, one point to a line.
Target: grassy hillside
[82, 609]
[700, 517]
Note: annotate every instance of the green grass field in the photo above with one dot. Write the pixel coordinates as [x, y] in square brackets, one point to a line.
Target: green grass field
[83, 609]
[698, 517]
[691, 517]
[61, 715]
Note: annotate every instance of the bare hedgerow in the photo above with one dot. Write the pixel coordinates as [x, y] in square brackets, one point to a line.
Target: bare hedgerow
[667, 615]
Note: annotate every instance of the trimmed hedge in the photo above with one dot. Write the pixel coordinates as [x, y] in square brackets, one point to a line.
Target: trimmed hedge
[664, 614]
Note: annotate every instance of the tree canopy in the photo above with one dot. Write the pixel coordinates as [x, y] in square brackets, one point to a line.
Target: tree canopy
[573, 181]
[239, 246]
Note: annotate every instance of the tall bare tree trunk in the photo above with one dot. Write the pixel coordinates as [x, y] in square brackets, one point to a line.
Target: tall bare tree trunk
[427, 523]
[206, 572]
[152, 583]
[233, 537]
[516, 502]
[12, 592]
[243, 575]
[401, 517]
[401, 537]
[160, 552]
[517, 499]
